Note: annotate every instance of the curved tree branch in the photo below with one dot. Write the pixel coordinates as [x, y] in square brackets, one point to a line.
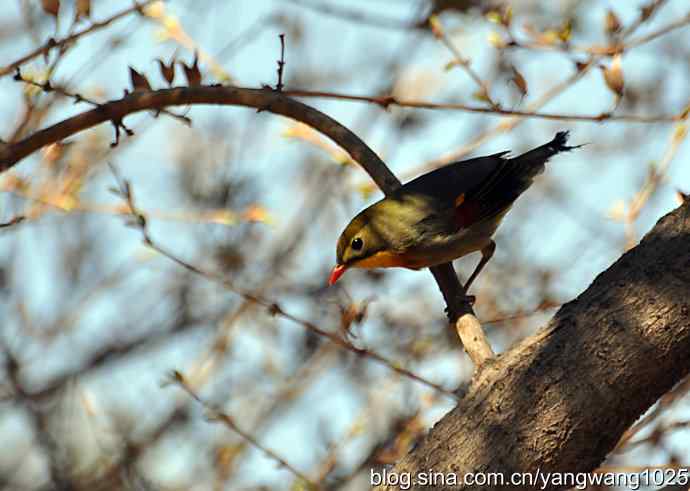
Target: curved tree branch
[460, 312]
[261, 99]
[560, 400]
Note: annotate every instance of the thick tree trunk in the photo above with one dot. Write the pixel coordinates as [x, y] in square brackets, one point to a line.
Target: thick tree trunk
[560, 400]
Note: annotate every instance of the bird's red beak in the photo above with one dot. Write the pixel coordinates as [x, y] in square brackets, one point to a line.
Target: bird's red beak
[337, 272]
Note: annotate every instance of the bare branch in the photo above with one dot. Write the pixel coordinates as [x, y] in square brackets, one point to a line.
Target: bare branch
[59, 43]
[385, 101]
[213, 413]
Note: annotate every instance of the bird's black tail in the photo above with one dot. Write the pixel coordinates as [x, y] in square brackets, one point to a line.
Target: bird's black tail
[532, 162]
[517, 174]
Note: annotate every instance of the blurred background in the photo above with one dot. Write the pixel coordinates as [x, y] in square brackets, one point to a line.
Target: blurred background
[134, 366]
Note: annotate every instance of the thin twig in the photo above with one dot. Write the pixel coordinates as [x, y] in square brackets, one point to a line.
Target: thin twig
[13, 221]
[215, 414]
[59, 43]
[386, 101]
[267, 100]
[281, 64]
[655, 176]
[611, 49]
[465, 63]
[506, 125]
[522, 315]
[139, 221]
[47, 87]
[666, 400]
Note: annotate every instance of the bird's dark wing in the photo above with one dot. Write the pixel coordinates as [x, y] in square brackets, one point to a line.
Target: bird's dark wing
[484, 187]
[510, 179]
[449, 182]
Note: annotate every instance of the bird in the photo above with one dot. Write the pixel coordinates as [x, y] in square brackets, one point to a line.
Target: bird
[443, 215]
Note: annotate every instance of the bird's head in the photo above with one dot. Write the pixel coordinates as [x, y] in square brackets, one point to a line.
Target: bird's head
[367, 242]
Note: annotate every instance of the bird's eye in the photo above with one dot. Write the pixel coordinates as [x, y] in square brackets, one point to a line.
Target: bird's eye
[357, 244]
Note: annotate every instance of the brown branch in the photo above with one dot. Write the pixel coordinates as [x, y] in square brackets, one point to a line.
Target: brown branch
[281, 64]
[614, 48]
[560, 400]
[13, 221]
[385, 101]
[677, 24]
[59, 43]
[213, 413]
[263, 100]
[465, 63]
[48, 87]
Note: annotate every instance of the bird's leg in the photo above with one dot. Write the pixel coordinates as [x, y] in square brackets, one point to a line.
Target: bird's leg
[487, 253]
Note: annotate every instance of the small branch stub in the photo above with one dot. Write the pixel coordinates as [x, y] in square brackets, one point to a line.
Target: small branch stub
[474, 340]
[281, 64]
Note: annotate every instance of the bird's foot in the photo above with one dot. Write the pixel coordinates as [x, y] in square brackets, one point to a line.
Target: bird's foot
[462, 305]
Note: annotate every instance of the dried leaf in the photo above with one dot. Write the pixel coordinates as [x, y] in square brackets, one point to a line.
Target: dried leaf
[13, 182]
[257, 213]
[613, 76]
[482, 96]
[436, 27]
[503, 17]
[82, 9]
[647, 10]
[566, 31]
[612, 24]
[519, 81]
[580, 65]
[549, 37]
[496, 40]
[494, 16]
[167, 71]
[617, 210]
[155, 10]
[192, 73]
[450, 65]
[223, 217]
[507, 17]
[51, 7]
[66, 202]
[53, 152]
[351, 315]
[139, 82]
[685, 113]
[680, 133]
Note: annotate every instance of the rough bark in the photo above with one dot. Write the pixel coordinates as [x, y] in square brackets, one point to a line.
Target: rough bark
[560, 400]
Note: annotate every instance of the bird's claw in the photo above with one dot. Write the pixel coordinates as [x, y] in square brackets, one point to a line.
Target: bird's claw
[462, 305]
